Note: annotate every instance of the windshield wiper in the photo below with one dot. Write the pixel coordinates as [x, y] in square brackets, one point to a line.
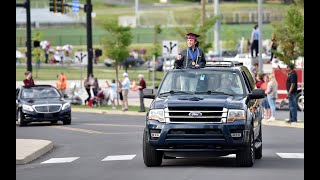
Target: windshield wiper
[212, 92]
[175, 92]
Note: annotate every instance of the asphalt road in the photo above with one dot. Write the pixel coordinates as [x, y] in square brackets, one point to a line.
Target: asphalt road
[94, 137]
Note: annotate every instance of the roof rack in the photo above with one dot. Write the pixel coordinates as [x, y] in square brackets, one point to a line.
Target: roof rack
[223, 64]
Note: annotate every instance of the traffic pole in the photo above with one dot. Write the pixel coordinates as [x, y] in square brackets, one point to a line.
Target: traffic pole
[89, 37]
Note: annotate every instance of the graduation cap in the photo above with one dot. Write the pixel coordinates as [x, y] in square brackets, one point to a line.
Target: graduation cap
[192, 36]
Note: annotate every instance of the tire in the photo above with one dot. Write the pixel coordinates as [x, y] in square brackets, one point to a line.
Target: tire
[151, 156]
[67, 121]
[300, 101]
[258, 152]
[20, 119]
[246, 156]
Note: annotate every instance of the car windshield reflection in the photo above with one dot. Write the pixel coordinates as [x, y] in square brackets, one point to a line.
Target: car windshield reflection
[39, 93]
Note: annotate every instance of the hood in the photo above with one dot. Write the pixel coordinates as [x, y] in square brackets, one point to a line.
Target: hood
[230, 102]
[44, 101]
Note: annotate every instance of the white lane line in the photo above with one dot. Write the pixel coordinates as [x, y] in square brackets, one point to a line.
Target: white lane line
[119, 157]
[60, 160]
[291, 155]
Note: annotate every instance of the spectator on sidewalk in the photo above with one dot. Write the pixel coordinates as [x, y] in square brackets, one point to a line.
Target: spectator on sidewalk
[292, 88]
[28, 81]
[112, 92]
[62, 83]
[91, 85]
[142, 85]
[254, 71]
[274, 45]
[259, 80]
[265, 104]
[125, 87]
[120, 93]
[255, 41]
[272, 94]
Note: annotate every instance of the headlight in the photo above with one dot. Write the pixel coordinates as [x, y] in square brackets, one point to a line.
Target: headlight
[234, 115]
[65, 106]
[157, 114]
[27, 107]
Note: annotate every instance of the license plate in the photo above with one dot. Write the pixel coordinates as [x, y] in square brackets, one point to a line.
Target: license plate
[48, 115]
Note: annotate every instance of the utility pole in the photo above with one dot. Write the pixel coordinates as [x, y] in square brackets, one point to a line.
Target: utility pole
[216, 27]
[203, 16]
[260, 35]
[26, 5]
[136, 12]
[88, 10]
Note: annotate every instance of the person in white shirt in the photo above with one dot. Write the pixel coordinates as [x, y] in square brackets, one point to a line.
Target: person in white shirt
[125, 90]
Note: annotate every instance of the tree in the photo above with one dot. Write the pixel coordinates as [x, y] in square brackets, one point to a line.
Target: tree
[290, 35]
[199, 29]
[116, 44]
[156, 45]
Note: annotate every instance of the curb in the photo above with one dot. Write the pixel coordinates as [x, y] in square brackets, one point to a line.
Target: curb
[98, 111]
[28, 150]
[282, 124]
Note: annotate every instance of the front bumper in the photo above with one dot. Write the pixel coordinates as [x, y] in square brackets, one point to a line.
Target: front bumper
[191, 137]
[38, 117]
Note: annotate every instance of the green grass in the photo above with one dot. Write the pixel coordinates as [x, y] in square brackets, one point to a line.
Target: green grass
[74, 73]
[109, 107]
[77, 36]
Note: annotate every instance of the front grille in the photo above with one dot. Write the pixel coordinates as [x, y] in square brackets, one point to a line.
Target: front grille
[195, 119]
[47, 108]
[195, 134]
[197, 108]
[195, 114]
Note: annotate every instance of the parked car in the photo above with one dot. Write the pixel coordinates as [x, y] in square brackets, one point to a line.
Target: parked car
[41, 103]
[131, 61]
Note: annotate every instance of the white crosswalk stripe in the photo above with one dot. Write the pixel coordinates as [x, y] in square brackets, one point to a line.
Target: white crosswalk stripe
[130, 157]
[60, 160]
[119, 157]
[291, 155]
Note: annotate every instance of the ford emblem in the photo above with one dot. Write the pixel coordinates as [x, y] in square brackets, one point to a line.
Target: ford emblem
[195, 114]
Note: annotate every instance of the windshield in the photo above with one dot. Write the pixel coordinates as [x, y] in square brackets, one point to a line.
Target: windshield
[39, 93]
[202, 81]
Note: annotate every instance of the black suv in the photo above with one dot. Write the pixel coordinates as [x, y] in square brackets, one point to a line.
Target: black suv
[209, 111]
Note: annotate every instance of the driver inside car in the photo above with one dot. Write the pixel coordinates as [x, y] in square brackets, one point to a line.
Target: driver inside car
[228, 87]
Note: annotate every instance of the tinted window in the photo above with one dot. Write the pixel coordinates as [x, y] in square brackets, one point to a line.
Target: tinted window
[196, 81]
[249, 76]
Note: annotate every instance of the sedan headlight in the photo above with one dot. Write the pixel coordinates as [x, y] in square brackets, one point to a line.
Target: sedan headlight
[234, 115]
[157, 114]
[65, 106]
[27, 107]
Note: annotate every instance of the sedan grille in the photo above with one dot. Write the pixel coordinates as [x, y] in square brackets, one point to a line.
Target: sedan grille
[50, 108]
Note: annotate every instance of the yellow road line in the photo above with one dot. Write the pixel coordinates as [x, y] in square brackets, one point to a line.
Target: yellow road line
[87, 130]
[121, 125]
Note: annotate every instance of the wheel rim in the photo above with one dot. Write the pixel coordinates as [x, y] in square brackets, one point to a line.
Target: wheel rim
[301, 102]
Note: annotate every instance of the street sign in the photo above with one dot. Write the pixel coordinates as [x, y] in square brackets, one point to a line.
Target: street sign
[75, 6]
[170, 48]
[81, 57]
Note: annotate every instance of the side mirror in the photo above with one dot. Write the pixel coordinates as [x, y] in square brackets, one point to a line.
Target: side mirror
[257, 94]
[149, 93]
